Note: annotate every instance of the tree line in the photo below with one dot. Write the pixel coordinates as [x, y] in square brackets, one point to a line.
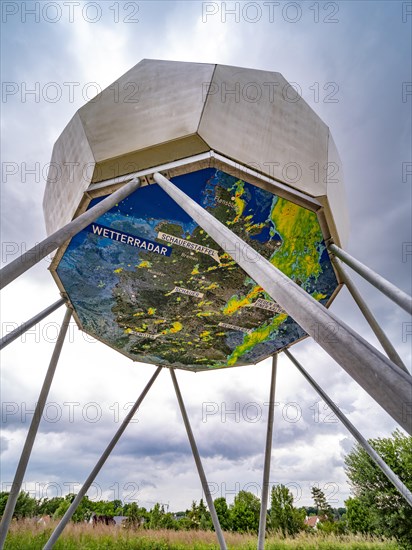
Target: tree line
[242, 516]
[375, 508]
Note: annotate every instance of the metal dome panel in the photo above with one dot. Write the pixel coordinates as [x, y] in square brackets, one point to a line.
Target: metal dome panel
[164, 111]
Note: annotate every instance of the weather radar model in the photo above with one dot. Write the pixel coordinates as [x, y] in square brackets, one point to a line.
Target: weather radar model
[197, 219]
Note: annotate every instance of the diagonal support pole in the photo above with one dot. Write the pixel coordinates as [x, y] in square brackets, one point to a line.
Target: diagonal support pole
[30, 258]
[28, 445]
[268, 452]
[393, 478]
[387, 383]
[9, 338]
[198, 462]
[370, 318]
[390, 290]
[86, 485]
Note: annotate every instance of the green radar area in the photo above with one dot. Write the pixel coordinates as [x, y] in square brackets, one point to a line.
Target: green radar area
[146, 280]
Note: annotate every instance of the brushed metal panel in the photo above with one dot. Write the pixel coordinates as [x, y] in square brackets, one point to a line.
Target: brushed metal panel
[160, 112]
[336, 208]
[154, 102]
[170, 151]
[70, 172]
[248, 117]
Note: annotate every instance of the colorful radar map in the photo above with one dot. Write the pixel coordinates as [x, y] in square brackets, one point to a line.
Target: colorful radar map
[149, 282]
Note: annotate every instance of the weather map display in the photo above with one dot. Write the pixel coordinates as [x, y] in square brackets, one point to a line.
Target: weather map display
[149, 282]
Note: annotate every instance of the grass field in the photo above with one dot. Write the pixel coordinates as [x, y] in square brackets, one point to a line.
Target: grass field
[29, 536]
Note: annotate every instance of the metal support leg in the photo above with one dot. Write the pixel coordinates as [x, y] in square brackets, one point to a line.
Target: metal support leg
[9, 338]
[393, 478]
[199, 466]
[387, 383]
[373, 323]
[391, 291]
[268, 451]
[86, 485]
[30, 258]
[25, 455]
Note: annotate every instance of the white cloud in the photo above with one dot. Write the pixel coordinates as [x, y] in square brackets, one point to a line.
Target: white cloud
[100, 52]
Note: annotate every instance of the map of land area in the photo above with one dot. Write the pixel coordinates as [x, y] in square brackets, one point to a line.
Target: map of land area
[149, 282]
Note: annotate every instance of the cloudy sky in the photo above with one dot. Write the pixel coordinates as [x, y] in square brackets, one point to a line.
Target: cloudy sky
[363, 50]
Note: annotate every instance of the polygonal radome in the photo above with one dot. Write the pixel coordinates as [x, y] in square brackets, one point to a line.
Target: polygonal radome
[145, 278]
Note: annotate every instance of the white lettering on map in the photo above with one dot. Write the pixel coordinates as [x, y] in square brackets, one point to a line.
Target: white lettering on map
[130, 240]
[188, 292]
[270, 306]
[234, 327]
[146, 335]
[190, 245]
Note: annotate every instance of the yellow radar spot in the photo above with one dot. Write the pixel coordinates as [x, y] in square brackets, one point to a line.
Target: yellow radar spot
[257, 336]
[176, 327]
[235, 303]
[144, 264]
[210, 287]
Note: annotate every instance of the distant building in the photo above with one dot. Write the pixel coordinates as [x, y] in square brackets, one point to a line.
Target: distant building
[312, 521]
